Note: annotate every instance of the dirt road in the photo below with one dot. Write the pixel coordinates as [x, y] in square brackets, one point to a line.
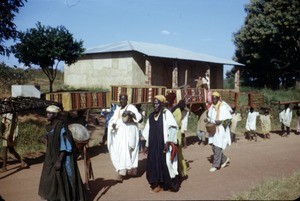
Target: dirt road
[251, 164]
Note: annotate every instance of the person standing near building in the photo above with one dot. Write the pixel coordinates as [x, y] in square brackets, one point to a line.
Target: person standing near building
[285, 118]
[236, 117]
[107, 116]
[123, 138]
[205, 81]
[181, 116]
[60, 178]
[251, 123]
[160, 133]
[220, 115]
[265, 121]
[298, 122]
[201, 129]
[141, 126]
[9, 127]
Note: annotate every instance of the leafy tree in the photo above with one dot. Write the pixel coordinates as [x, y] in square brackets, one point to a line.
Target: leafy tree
[46, 47]
[268, 43]
[8, 9]
[10, 76]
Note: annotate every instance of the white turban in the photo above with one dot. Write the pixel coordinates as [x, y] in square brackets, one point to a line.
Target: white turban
[53, 108]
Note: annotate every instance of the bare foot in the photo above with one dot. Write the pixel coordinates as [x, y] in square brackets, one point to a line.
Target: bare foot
[23, 166]
[3, 170]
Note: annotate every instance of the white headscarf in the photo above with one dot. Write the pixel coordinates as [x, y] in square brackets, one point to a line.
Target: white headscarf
[53, 108]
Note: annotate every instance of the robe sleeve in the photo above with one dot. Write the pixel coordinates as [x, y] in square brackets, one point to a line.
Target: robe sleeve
[169, 125]
[65, 144]
[145, 133]
[135, 111]
[184, 122]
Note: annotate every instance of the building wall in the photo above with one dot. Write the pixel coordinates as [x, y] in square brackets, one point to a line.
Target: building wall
[128, 68]
[103, 70]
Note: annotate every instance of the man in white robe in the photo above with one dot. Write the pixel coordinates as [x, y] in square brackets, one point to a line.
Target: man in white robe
[251, 124]
[285, 118]
[219, 114]
[123, 138]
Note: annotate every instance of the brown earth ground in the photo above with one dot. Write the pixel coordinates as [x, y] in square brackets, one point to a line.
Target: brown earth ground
[251, 163]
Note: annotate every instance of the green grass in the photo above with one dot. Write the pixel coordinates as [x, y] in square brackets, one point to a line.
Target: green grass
[30, 132]
[287, 188]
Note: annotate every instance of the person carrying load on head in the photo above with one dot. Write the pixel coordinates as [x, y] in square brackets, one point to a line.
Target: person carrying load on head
[9, 131]
[60, 178]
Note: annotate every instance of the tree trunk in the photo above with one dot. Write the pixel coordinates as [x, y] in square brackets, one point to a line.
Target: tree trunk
[51, 85]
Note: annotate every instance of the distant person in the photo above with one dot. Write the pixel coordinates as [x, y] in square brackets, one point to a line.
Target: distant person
[60, 178]
[285, 118]
[201, 128]
[181, 116]
[298, 122]
[160, 133]
[123, 138]
[251, 124]
[107, 115]
[220, 115]
[205, 83]
[236, 117]
[265, 121]
[141, 126]
[9, 127]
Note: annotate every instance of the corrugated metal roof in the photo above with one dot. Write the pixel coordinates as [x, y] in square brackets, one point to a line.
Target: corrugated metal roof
[158, 50]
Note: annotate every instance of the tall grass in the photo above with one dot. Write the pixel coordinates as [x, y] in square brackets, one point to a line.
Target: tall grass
[273, 189]
[29, 137]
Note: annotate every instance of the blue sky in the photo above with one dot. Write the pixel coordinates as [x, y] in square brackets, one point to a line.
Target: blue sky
[202, 26]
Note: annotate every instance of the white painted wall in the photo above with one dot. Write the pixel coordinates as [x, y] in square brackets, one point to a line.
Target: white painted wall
[25, 91]
[103, 70]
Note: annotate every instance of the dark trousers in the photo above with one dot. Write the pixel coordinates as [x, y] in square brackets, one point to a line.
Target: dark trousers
[219, 157]
[283, 128]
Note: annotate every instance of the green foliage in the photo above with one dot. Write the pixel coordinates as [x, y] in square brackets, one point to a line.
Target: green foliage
[269, 43]
[29, 135]
[10, 76]
[8, 10]
[13, 76]
[45, 47]
[229, 81]
[274, 189]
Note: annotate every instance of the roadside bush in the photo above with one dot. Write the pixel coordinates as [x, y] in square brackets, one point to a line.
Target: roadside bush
[29, 137]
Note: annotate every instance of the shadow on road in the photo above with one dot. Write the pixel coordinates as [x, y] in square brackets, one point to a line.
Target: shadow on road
[100, 187]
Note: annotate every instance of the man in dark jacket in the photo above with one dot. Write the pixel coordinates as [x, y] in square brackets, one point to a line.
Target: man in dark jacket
[60, 179]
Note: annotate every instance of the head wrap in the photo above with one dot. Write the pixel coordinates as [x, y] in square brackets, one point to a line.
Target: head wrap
[161, 98]
[215, 93]
[53, 108]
